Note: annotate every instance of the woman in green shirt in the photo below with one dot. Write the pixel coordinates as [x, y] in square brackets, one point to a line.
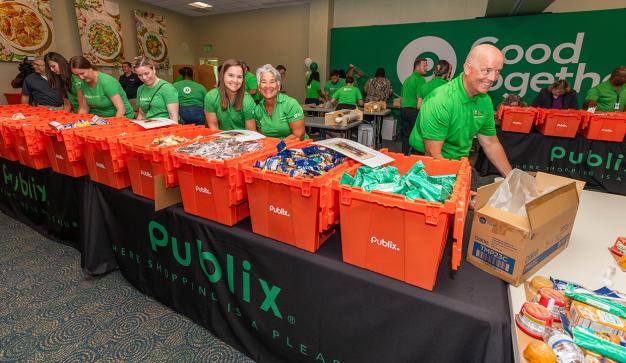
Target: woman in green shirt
[155, 97]
[100, 93]
[190, 98]
[348, 96]
[314, 90]
[277, 115]
[61, 79]
[229, 106]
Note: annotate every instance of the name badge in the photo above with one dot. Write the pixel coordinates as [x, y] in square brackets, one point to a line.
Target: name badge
[616, 108]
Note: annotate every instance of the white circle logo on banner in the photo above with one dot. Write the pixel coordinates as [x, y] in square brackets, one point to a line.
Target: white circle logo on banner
[429, 47]
[187, 90]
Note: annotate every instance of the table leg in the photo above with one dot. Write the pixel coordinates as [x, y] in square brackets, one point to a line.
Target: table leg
[378, 122]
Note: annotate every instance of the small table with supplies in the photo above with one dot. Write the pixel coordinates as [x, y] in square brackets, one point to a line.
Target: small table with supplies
[318, 123]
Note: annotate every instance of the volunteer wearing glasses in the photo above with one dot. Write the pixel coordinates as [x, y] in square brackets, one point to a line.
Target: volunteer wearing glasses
[456, 112]
[100, 94]
[155, 97]
[277, 115]
[36, 90]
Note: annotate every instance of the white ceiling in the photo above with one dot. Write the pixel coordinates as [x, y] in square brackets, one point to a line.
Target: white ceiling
[221, 6]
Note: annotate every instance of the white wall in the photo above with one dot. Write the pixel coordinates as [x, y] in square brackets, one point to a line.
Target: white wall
[564, 6]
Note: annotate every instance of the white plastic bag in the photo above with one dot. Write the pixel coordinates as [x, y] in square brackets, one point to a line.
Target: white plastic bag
[517, 189]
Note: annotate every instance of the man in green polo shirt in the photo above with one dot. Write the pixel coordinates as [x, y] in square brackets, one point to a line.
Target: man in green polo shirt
[610, 95]
[334, 84]
[251, 86]
[410, 95]
[456, 112]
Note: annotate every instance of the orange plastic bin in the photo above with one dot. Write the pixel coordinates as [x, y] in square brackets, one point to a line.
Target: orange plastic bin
[302, 212]
[214, 189]
[103, 156]
[7, 147]
[561, 123]
[144, 160]
[605, 127]
[400, 238]
[29, 144]
[517, 119]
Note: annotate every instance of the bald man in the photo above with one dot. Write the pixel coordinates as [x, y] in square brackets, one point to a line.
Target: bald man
[454, 113]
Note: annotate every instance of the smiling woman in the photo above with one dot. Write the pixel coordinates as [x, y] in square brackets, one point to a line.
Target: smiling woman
[277, 115]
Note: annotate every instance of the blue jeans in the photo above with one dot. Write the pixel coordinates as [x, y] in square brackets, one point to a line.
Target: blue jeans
[311, 101]
[192, 115]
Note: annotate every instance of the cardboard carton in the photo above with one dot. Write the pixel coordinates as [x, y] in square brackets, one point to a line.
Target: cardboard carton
[513, 247]
[354, 115]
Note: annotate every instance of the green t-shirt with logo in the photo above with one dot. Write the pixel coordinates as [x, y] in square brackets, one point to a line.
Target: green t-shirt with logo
[286, 110]
[312, 89]
[430, 86]
[332, 87]
[252, 84]
[190, 93]
[347, 95]
[153, 100]
[75, 85]
[452, 116]
[99, 97]
[229, 119]
[606, 97]
[410, 89]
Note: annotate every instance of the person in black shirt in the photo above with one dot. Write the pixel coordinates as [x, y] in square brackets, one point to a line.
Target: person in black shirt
[36, 91]
[129, 81]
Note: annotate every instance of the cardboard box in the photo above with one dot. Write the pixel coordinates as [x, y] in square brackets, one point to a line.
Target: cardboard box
[513, 247]
[330, 117]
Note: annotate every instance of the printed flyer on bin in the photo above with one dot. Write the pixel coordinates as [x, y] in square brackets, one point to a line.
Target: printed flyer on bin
[356, 151]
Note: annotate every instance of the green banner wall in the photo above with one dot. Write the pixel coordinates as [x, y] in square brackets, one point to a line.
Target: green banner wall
[582, 47]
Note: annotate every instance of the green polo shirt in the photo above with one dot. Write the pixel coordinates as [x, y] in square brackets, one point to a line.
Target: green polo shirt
[452, 116]
[347, 95]
[252, 84]
[75, 85]
[430, 86]
[606, 97]
[190, 93]
[312, 88]
[410, 89]
[99, 97]
[286, 110]
[332, 87]
[229, 119]
[153, 100]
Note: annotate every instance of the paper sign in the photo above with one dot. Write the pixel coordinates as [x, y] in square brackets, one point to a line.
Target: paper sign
[356, 151]
[241, 135]
[155, 122]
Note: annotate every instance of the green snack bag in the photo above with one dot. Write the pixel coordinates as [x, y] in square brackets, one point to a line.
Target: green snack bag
[417, 167]
[438, 179]
[346, 179]
[358, 177]
[369, 182]
[587, 339]
[413, 194]
[595, 300]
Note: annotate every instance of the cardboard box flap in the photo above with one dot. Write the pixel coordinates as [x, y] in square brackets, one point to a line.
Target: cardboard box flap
[545, 181]
[507, 220]
[484, 193]
[545, 208]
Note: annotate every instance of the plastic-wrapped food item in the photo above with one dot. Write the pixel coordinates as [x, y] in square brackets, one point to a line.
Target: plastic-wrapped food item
[533, 319]
[220, 148]
[171, 140]
[307, 162]
[95, 121]
[612, 305]
[539, 352]
[415, 184]
[596, 319]
[590, 340]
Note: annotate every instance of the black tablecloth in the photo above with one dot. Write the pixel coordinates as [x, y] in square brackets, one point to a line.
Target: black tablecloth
[599, 163]
[284, 304]
[270, 300]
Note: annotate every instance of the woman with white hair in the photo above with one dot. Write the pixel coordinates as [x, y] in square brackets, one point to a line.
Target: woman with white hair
[277, 115]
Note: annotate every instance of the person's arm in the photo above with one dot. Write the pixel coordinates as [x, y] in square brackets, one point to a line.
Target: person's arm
[140, 114]
[322, 95]
[83, 107]
[297, 130]
[495, 153]
[25, 99]
[592, 98]
[359, 98]
[419, 102]
[172, 110]
[251, 125]
[570, 100]
[211, 120]
[67, 106]
[433, 148]
[120, 109]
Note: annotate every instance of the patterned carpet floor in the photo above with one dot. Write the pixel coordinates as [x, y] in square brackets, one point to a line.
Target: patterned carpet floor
[51, 312]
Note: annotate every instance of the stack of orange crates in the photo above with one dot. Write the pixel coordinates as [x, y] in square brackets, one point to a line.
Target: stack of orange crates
[561, 123]
[103, 154]
[517, 119]
[400, 238]
[214, 189]
[301, 212]
[605, 126]
[145, 160]
[29, 144]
